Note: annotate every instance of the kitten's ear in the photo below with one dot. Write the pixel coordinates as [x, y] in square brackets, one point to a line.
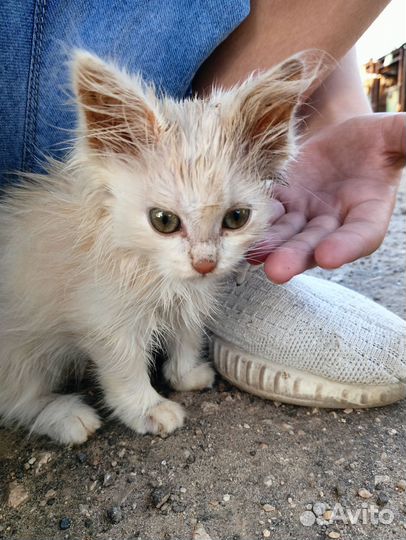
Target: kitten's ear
[117, 111]
[265, 119]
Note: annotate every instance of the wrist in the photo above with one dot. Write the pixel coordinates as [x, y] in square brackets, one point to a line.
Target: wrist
[339, 98]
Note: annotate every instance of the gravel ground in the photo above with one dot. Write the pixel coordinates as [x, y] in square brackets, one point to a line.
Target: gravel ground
[242, 468]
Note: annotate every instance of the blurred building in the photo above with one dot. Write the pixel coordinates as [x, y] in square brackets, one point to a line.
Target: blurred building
[385, 81]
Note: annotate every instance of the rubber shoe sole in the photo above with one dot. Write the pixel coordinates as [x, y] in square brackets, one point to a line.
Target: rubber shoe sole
[271, 380]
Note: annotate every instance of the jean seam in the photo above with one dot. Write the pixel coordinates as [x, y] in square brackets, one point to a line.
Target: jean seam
[33, 85]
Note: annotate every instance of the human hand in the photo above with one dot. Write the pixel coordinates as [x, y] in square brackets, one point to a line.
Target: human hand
[340, 199]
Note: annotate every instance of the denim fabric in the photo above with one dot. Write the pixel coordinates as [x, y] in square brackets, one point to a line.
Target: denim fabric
[166, 41]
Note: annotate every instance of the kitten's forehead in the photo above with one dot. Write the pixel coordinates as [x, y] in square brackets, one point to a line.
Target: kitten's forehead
[198, 153]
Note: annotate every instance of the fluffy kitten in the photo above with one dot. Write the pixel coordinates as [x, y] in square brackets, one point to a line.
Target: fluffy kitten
[125, 242]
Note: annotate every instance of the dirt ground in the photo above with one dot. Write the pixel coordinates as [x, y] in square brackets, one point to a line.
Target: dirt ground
[242, 468]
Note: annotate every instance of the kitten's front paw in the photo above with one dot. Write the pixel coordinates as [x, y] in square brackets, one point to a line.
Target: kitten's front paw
[164, 417]
[199, 377]
[67, 420]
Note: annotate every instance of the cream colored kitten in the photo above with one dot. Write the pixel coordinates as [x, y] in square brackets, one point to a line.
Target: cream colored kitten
[128, 239]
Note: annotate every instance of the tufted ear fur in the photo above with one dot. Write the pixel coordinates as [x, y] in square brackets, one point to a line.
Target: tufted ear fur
[118, 113]
[265, 115]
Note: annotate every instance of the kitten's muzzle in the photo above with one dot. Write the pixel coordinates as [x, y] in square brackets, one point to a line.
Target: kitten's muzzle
[204, 266]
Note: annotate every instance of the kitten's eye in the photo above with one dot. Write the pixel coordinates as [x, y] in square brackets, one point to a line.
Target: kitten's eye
[236, 218]
[164, 221]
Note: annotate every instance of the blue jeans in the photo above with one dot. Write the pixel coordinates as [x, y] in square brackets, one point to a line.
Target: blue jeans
[165, 40]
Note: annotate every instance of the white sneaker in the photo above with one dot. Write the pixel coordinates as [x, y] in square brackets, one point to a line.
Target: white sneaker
[309, 342]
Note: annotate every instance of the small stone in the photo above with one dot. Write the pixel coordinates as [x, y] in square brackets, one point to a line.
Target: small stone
[121, 453]
[268, 507]
[182, 490]
[115, 514]
[307, 518]
[209, 407]
[266, 533]
[44, 458]
[380, 480]
[178, 507]
[200, 533]
[190, 459]
[348, 411]
[17, 495]
[84, 510]
[32, 460]
[340, 489]
[268, 481]
[319, 508]
[159, 496]
[107, 480]
[114, 463]
[328, 514]
[65, 523]
[81, 457]
[401, 485]
[382, 498]
[334, 534]
[364, 493]
[50, 493]
[226, 497]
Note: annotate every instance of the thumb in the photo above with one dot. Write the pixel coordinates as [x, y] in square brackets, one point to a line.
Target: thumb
[393, 130]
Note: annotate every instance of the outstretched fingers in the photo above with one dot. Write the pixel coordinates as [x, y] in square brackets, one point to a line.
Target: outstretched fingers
[296, 254]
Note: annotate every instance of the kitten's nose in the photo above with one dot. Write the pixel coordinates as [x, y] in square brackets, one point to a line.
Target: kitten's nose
[204, 266]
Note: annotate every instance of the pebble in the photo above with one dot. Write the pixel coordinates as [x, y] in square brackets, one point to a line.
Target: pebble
[382, 498]
[268, 507]
[266, 533]
[364, 493]
[401, 485]
[50, 493]
[107, 480]
[334, 534]
[32, 460]
[226, 497]
[44, 458]
[182, 490]
[319, 508]
[65, 523]
[81, 457]
[340, 489]
[380, 480]
[200, 533]
[209, 408]
[159, 496]
[268, 481]
[178, 507]
[17, 495]
[115, 514]
[328, 514]
[307, 518]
